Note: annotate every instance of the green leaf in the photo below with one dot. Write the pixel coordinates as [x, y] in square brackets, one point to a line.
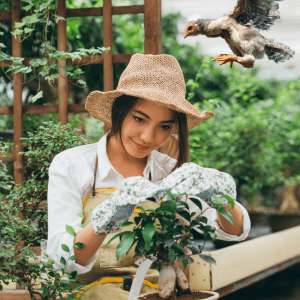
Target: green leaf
[169, 206]
[185, 215]
[65, 248]
[148, 233]
[84, 224]
[63, 261]
[73, 274]
[2, 45]
[19, 24]
[173, 197]
[73, 257]
[70, 230]
[217, 200]
[184, 263]
[79, 245]
[171, 255]
[115, 236]
[126, 224]
[226, 214]
[230, 200]
[142, 209]
[197, 202]
[27, 30]
[182, 203]
[80, 214]
[125, 244]
[37, 96]
[208, 259]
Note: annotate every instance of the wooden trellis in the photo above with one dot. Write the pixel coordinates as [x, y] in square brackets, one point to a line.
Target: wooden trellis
[153, 45]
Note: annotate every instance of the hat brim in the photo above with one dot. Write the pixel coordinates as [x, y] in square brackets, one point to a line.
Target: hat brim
[99, 105]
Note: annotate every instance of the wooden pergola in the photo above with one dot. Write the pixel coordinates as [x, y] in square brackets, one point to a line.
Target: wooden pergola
[153, 45]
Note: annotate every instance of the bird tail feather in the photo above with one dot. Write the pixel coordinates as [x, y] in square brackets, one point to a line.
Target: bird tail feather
[278, 52]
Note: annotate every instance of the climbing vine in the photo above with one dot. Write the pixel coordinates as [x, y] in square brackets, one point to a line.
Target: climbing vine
[44, 13]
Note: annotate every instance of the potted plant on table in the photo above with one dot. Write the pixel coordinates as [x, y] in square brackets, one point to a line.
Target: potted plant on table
[166, 234]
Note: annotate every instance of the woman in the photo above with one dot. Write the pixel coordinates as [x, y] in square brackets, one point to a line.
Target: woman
[144, 111]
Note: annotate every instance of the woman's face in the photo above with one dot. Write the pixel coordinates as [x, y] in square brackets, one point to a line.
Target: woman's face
[146, 127]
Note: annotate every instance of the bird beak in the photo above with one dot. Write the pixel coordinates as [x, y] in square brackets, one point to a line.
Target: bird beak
[185, 34]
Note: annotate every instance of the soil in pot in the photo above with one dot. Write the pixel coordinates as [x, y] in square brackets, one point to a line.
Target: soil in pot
[193, 296]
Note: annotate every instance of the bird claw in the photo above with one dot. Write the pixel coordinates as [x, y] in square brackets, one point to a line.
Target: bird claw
[225, 58]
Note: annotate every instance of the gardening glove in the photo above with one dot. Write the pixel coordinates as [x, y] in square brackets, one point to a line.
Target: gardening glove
[111, 213]
[201, 182]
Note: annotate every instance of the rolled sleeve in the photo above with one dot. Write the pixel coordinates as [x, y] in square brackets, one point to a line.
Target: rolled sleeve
[64, 203]
[221, 234]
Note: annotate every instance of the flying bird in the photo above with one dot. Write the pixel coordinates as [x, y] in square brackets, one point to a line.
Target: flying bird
[239, 30]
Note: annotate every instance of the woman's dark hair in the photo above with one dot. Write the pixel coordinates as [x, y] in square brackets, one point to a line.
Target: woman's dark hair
[122, 106]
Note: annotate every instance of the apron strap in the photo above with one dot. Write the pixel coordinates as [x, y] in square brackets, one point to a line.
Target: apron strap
[95, 175]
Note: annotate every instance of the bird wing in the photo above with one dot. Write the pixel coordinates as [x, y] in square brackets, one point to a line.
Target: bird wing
[260, 13]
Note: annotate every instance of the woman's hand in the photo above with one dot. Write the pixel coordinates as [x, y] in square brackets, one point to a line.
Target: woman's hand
[201, 182]
[111, 213]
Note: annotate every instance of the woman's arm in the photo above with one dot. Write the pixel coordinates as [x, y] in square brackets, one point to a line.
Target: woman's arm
[236, 212]
[92, 242]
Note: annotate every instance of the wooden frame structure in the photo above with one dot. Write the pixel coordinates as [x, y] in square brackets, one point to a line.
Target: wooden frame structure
[153, 45]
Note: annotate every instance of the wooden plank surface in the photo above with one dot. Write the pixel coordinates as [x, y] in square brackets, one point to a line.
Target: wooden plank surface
[243, 260]
[62, 46]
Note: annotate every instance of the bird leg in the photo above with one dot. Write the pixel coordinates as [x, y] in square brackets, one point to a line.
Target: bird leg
[246, 61]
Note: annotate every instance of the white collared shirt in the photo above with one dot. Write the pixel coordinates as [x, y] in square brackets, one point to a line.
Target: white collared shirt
[71, 177]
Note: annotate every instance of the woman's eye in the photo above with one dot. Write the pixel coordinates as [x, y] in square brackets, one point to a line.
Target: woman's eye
[165, 127]
[138, 119]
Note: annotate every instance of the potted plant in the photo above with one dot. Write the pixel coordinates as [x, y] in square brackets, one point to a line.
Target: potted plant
[167, 234]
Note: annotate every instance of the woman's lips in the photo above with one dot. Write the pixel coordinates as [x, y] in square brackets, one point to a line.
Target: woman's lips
[141, 147]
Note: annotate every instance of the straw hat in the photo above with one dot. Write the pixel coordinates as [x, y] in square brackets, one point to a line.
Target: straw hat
[157, 78]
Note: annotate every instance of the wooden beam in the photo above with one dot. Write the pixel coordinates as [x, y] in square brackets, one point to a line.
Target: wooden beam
[108, 80]
[153, 27]
[86, 12]
[62, 46]
[17, 89]
[43, 109]
[87, 60]
[5, 15]
[10, 158]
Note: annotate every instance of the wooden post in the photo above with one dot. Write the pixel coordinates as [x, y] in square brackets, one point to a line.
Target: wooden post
[108, 79]
[62, 46]
[17, 88]
[153, 31]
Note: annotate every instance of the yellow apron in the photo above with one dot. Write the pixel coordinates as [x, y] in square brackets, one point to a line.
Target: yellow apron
[106, 268]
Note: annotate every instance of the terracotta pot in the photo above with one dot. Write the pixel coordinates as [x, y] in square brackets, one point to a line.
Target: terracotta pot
[213, 295]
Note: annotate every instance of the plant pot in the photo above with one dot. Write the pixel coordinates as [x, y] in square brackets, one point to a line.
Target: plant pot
[154, 296]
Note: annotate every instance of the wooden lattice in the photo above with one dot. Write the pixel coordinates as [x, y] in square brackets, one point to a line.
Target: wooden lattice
[153, 45]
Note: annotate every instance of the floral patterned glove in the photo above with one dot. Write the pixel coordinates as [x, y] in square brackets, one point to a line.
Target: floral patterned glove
[198, 181]
[111, 213]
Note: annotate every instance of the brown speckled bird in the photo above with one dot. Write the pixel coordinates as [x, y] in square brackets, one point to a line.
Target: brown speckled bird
[238, 30]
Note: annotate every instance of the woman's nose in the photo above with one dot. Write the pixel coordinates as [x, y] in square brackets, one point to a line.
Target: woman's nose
[147, 135]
